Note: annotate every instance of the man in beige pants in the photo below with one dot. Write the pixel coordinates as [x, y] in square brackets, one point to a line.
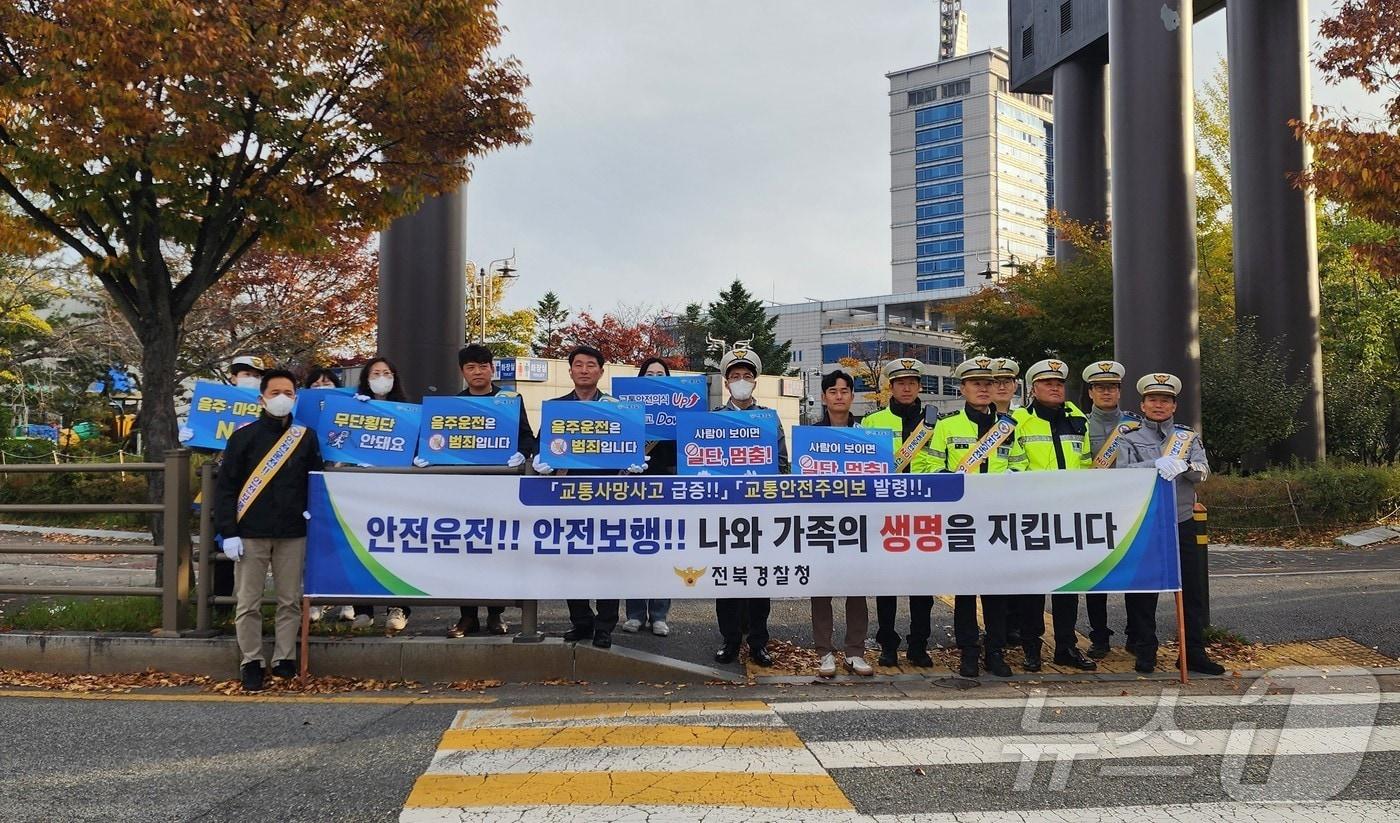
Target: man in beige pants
[259, 511]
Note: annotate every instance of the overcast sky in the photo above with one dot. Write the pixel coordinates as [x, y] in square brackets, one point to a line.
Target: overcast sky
[678, 144]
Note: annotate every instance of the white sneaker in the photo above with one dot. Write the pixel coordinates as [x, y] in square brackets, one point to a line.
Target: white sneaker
[315, 614]
[362, 621]
[857, 665]
[659, 628]
[828, 666]
[347, 613]
[631, 626]
[397, 621]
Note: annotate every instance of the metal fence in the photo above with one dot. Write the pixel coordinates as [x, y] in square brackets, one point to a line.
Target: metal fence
[174, 551]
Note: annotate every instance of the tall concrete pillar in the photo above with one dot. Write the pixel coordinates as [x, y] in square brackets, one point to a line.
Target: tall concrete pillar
[1081, 144]
[1275, 230]
[422, 294]
[1154, 198]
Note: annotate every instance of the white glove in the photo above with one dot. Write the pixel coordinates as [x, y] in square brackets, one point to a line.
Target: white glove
[541, 467]
[363, 398]
[306, 515]
[420, 462]
[186, 433]
[638, 468]
[233, 548]
[1170, 467]
[516, 460]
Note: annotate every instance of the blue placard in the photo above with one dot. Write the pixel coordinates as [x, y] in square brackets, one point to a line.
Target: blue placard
[830, 450]
[368, 432]
[663, 398]
[592, 435]
[307, 411]
[216, 411]
[727, 442]
[469, 431]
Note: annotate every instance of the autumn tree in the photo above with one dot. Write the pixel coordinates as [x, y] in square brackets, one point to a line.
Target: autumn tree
[508, 333]
[163, 140]
[738, 315]
[550, 319]
[621, 341]
[1356, 161]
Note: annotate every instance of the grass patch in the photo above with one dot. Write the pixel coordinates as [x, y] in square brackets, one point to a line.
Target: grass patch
[1217, 635]
[98, 614]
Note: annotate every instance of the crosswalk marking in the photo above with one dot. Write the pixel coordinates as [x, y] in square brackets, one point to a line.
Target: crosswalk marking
[586, 711]
[785, 791]
[620, 736]
[851, 754]
[626, 759]
[1355, 811]
[635, 813]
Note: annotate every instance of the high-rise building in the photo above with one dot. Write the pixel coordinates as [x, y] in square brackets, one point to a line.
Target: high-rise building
[971, 173]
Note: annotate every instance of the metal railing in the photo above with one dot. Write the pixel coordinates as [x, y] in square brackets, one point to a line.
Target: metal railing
[174, 551]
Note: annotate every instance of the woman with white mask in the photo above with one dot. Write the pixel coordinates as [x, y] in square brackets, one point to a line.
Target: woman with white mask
[379, 380]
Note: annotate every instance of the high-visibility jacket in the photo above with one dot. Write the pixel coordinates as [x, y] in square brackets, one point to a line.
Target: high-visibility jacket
[1046, 450]
[957, 432]
[884, 419]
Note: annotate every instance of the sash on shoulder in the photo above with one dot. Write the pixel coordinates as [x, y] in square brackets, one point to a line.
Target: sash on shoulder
[1179, 444]
[915, 441]
[1003, 428]
[267, 468]
[1108, 452]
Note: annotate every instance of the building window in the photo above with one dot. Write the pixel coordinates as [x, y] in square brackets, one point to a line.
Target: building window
[937, 153]
[946, 170]
[948, 264]
[1027, 41]
[922, 96]
[939, 247]
[957, 88]
[950, 387]
[938, 135]
[939, 209]
[938, 114]
[935, 192]
[928, 384]
[923, 231]
[1066, 16]
[935, 283]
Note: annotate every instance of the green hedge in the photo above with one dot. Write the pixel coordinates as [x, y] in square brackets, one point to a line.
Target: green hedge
[1326, 495]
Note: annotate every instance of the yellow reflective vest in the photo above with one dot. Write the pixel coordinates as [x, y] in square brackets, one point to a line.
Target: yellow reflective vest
[886, 420]
[1035, 438]
[956, 434]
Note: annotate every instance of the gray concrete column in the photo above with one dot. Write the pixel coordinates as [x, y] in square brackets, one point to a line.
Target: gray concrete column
[1154, 197]
[1275, 229]
[422, 294]
[1081, 144]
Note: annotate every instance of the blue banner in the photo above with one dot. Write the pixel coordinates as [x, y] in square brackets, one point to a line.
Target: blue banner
[663, 398]
[592, 435]
[469, 431]
[216, 411]
[521, 370]
[307, 411]
[368, 432]
[727, 442]
[843, 451]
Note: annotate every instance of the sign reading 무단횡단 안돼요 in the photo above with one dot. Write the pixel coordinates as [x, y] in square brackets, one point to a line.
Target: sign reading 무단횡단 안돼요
[465, 536]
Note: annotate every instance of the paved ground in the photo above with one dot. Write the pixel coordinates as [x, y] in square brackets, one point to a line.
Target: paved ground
[1294, 749]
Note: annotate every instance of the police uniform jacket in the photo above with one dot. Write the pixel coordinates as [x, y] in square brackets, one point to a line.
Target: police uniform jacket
[1101, 425]
[1142, 446]
[957, 432]
[901, 421]
[277, 512]
[1053, 438]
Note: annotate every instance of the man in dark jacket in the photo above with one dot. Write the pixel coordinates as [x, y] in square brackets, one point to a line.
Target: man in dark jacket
[475, 361]
[259, 509]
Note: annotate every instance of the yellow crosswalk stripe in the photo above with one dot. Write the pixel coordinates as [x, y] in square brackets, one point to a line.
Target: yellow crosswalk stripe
[784, 791]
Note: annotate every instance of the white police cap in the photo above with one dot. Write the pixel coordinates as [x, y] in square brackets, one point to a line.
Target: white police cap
[740, 357]
[976, 367]
[1104, 371]
[902, 367]
[249, 361]
[1005, 367]
[1159, 383]
[1048, 370]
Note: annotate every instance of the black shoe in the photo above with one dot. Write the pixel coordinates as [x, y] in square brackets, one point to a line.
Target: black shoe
[888, 657]
[1098, 651]
[284, 669]
[1013, 637]
[252, 676]
[967, 667]
[761, 657]
[1033, 661]
[727, 654]
[1072, 656]
[602, 640]
[996, 664]
[919, 657]
[576, 634]
[1200, 664]
[1144, 661]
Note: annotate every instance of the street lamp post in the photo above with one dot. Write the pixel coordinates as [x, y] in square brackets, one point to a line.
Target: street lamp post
[483, 284]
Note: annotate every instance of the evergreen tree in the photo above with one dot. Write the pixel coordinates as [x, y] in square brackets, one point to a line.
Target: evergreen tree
[692, 329]
[550, 319]
[738, 315]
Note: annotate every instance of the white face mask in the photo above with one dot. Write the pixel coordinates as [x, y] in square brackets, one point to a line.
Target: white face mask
[381, 385]
[741, 389]
[279, 405]
[247, 381]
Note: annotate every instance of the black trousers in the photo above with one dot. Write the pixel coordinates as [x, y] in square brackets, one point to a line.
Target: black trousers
[965, 621]
[737, 615]
[1096, 604]
[920, 621]
[585, 621]
[1142, 608]
[1064, 612]
[466, 613]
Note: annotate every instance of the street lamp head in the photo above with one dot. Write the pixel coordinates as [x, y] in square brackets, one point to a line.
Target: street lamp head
[507, 271]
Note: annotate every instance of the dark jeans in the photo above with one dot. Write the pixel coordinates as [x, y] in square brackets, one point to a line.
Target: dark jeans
[965, 621]
[648, 611]
[1064, 611]
[1097, 607]
[920, 621]
[1142, 608]
[733, 613]
[473, 613]
[585, 621]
